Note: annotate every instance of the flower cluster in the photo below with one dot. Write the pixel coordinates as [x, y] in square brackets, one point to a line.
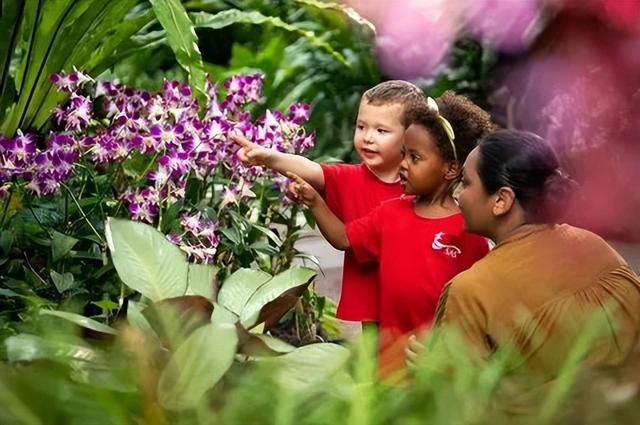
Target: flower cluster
[105, 123]
[198, 239]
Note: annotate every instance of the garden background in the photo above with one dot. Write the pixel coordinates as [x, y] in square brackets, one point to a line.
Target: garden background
[147, 276]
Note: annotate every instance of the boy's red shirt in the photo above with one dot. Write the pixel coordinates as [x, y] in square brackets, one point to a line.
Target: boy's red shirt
[417, 257]
[351, 191]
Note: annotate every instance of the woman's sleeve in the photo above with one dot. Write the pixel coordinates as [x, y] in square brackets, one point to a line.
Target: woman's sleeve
[461, 319]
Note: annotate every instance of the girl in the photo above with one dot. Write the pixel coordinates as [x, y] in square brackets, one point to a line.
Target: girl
[418, 240]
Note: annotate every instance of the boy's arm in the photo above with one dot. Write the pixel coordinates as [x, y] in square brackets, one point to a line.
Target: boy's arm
[330, 226]
[283, 163]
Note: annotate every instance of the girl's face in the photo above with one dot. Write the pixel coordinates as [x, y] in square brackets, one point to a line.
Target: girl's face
[473, 200]
[423, 169]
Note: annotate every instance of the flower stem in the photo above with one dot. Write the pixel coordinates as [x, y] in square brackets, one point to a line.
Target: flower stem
[82, 213]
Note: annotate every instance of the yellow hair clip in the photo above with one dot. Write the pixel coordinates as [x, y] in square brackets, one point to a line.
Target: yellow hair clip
[446, 125]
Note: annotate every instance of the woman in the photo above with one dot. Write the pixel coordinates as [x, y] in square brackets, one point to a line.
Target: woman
[544, 283]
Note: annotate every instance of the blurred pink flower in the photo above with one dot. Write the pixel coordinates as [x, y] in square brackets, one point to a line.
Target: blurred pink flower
[507, 25]
[414, 37]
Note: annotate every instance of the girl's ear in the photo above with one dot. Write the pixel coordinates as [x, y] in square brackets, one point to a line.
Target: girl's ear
[452, 170]
[505, 198]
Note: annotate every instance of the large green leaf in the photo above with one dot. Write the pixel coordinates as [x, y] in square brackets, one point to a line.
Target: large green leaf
[138, 321]
[183, 40]
[199, 363]
[145, 260]
[27, 347]
[233, 16]
[174, 319]
[239, 287]
[276, 297]
[309, 365]
[80, 320]
[11, 14]
[202, 280]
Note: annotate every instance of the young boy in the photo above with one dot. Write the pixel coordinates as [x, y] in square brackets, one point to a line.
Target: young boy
[353, 190]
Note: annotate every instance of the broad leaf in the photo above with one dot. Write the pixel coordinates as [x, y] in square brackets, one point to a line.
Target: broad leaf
[27, 347]
[81, 321]
[183, 40]
[145, 260]
[199, 363]
[310, 365]
[276, 297]
[233, 16]
[202, 280]
[239, 287]
[174, 319]
[260, 345]
[138, 321]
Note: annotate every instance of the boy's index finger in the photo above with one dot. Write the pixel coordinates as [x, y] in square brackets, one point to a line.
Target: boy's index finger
[240, 140]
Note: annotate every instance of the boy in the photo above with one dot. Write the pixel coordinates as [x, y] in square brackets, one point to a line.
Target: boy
[353, 190]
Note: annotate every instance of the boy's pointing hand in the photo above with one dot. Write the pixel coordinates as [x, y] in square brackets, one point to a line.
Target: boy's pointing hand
[249, 152]
[301, 191]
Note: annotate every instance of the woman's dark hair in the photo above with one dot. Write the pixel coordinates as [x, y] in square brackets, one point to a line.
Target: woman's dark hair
[527, 164]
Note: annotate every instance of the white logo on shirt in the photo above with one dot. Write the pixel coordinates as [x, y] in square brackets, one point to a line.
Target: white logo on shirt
[450, 250]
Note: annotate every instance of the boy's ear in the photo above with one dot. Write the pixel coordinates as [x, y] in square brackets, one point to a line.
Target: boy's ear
[452, 171]
[505, 198]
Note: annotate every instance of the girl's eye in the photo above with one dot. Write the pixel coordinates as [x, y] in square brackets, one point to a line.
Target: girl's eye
[382, 131]
[414, 158]
[360, 126]
[403, 153]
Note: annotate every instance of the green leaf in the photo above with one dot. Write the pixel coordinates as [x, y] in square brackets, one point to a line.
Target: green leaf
[106, 305]
[199, 363]
[61, 244]
[27, 347]
[260, 345]
[309, 365]
[145, 260]
[233, 16]
[63, 282]
[276, 297]
[264, 248]
[138, 321]
[80, 320]
[183, 40]
[239, 287]
[232, 234]
[269, 233]
[202, 280]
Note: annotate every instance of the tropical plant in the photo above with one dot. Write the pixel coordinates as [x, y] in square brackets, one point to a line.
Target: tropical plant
[152, 157]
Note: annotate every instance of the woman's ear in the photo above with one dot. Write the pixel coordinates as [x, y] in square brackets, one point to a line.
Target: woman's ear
[453, 170]
[505, 198]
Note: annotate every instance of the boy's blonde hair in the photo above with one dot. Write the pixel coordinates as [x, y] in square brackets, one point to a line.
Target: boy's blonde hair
[401, 92]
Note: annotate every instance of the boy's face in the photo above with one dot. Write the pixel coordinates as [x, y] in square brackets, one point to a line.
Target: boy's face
[379, 135]
[423, 169]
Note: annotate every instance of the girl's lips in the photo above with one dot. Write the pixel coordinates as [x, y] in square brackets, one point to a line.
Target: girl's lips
[369, 151]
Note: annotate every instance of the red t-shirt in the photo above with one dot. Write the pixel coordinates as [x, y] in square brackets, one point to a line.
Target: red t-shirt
[352, 191]
[417, 257]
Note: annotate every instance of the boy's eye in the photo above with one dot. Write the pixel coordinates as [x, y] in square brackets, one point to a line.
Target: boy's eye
[382, 131]
[414, 157]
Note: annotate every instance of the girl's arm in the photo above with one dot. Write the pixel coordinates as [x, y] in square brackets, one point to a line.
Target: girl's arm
[330, 226]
